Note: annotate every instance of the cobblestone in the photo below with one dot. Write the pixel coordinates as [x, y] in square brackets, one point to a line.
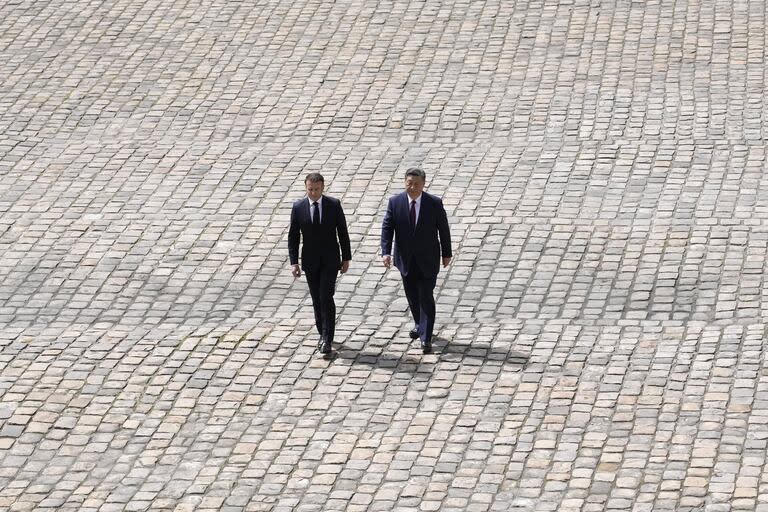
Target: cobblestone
[600, 330]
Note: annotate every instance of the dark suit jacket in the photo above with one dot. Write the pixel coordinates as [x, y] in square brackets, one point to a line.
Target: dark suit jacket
[420, 247]
[321, 244]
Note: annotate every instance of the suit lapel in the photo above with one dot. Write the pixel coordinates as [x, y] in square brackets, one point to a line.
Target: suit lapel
[307, 210]
[422, 209]
[406, 208]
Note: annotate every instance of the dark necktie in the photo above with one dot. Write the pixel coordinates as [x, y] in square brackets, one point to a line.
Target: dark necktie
[315, 214]
[413, 214]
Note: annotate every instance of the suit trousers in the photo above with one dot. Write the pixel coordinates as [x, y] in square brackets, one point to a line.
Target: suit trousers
[419, 290]
[322, 286]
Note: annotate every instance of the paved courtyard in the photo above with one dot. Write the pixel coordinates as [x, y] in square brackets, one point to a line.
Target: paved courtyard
[601, 331]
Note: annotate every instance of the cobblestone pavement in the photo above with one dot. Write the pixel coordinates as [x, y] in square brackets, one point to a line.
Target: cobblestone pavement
[601, 332]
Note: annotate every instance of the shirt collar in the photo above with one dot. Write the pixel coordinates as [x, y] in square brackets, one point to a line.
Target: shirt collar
[418, 199]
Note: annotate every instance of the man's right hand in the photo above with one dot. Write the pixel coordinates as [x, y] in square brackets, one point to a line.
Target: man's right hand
[387, 260]
[296, 271]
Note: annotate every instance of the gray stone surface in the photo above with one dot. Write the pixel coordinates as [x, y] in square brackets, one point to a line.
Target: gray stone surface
[601, 331]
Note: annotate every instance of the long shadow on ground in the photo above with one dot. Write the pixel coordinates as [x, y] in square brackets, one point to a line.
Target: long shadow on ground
[442, 349]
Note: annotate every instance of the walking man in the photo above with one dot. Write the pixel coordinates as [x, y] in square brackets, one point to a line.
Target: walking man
[414, 221]
[319, 221]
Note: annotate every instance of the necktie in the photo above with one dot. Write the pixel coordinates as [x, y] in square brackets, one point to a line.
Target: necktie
[413, 214]
[315, 214]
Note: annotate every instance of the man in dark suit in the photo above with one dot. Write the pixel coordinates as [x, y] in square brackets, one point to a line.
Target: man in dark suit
[319, 220]
[415, 220]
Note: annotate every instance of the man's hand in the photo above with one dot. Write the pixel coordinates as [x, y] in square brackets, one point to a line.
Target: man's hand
[344, 266]
[387, 260]
[446, 262]
[296, 270]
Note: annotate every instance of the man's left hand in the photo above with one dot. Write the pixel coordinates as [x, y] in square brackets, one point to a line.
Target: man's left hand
[446, 262]
[344, 266]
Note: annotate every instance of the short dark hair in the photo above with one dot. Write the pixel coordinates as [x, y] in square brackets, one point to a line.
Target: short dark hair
[314, 177]
[416, 172]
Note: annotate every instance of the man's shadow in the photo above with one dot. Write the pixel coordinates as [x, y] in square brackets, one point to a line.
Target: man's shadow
[442, 350]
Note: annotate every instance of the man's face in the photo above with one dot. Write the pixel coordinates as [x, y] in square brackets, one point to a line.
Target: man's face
[314, 190]
[414, 185]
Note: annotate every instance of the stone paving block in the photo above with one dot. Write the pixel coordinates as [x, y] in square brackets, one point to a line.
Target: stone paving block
[600, 330]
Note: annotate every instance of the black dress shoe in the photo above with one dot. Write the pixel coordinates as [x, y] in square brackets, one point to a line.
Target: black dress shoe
[320, 345]
[325, 347]
[414, 334]
[426, 347]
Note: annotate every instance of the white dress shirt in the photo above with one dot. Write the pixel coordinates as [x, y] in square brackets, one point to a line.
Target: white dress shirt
[312, 208]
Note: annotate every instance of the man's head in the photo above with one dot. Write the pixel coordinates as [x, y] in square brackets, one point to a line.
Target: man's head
[314, 183]
[415, 179]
